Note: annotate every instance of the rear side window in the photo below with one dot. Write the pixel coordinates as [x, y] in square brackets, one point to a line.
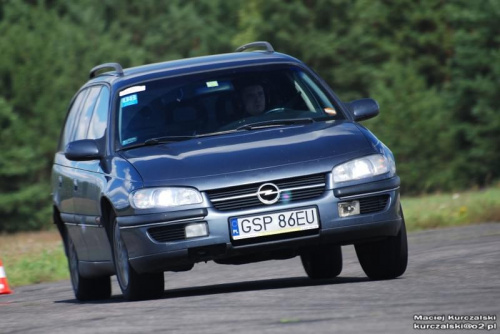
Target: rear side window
[100, 116]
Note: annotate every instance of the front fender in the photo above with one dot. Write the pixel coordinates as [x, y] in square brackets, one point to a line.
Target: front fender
[123, 178]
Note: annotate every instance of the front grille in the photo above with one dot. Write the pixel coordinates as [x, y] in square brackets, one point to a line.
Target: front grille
[292, 190]
[168, 233]
[373, 204]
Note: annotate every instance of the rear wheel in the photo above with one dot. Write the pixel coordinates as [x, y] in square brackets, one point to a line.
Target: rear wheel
[85, 288]
[324, 261]
[387, 258]
[134, 286]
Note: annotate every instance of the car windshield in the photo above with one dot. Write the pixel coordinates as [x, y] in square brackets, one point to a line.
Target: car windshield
[211, 103]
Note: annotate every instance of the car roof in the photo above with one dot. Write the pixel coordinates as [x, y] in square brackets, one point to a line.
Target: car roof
[123, 77]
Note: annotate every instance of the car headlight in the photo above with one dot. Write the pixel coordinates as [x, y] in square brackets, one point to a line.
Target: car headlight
[164, 197]
[363, 167]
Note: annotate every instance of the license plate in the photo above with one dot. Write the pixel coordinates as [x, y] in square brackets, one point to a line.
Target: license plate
[274, 223]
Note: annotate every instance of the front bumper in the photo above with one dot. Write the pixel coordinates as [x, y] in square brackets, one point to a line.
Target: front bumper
[148, 255]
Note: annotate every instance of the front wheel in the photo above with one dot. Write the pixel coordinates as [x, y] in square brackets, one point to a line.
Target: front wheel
[85, 288]
[324, 261]
[387, 258]
[134, 286]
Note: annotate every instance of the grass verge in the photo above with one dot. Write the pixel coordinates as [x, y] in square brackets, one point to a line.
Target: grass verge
[33, 257]
[37, 257]
[444, 210]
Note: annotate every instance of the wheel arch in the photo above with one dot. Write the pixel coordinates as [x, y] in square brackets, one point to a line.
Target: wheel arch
[61, 227]
[107, 211]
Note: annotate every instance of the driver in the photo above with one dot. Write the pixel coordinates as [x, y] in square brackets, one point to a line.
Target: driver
[254, 99]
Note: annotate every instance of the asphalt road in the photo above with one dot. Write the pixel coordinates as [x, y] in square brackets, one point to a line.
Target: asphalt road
[452, 271]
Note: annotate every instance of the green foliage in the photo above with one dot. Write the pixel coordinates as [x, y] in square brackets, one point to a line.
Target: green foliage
[475, 80]
[432, 65]
[40, 70]
[413, 122]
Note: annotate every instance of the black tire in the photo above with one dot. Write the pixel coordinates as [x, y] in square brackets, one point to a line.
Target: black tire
[324, 261]
[85, 288]
[385, 259]
[134, 286]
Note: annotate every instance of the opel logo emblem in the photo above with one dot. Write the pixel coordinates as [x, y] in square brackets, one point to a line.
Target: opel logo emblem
[268, 193]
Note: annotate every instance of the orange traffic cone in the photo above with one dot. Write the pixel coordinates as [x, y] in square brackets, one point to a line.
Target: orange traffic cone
[4, 286]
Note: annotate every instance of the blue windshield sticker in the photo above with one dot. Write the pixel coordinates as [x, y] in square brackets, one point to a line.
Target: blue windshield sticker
[129, 141]
[129, 100]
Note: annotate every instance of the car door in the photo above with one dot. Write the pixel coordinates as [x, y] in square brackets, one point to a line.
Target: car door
[91, 178]
[64, 173]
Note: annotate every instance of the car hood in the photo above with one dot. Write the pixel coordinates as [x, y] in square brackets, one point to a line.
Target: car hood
[317, 146]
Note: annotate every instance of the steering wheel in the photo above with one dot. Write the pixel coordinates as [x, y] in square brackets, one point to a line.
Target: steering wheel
[275, 110]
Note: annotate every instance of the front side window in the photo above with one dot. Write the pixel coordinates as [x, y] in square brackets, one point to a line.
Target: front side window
[69, 127]
[86, 113]
[100, 116]
[212, 102]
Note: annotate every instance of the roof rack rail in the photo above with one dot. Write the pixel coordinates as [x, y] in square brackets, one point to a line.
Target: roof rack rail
[263, 44]
[118, 68]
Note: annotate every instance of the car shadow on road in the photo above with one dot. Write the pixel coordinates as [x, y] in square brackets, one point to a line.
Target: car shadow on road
[214, 289]
[267, 284]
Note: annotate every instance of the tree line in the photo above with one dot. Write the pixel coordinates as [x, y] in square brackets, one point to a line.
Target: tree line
[432, 65]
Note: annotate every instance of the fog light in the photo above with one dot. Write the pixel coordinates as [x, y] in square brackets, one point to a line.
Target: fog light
[347, 209]
[196, 230]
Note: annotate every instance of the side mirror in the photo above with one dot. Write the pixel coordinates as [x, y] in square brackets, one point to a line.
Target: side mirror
[363, 109]
[82, 150]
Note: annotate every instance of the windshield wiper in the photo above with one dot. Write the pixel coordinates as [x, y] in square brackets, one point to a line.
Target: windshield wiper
[276, 122]
[167, 139]
[158, 140]
[251, 126]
